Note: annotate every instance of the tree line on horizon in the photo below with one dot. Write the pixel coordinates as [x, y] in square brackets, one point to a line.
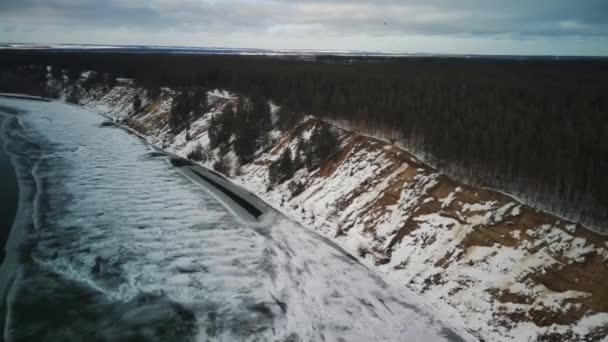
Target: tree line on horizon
[536, 127]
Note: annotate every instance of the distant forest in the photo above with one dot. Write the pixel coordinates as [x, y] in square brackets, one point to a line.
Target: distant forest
[537, 127]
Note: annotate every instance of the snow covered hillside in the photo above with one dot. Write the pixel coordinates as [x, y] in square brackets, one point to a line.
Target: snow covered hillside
[119, 246]
[510, 271]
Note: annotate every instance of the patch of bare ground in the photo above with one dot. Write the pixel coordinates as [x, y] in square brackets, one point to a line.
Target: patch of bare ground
[490, 235]
[330, 165]
[393, 150]
[387, 198]
[432, 281]
[445, 260]
[485, 235]
[294, 134]
[530, 220]
[590, 276]
[137, 126]
[389, 195]
[506, 296]
[570, 313]
[409, 226]
[424, 207]
[444, 188]
[155, 118]
[595, 239]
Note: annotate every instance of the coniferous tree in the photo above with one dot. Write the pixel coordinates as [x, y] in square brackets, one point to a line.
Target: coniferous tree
[136, 104]
[214, 131]
[281, 169]
[286, 119]
[222, 165]
[297, 159]
[273, 174]
[324, 142]
[153, 92]
[260, 110]
[199, 99]
[221, 127]
[180, 111]
[534, 127]
[286, 167]
[246, 136]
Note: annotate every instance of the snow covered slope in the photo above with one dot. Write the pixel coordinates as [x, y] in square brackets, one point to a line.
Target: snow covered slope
[123, 248]
[511, 272]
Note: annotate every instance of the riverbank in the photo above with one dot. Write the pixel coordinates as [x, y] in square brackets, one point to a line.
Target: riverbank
[418, 227]
[164, 253]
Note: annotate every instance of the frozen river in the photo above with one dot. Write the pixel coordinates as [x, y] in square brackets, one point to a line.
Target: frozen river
[116, 244]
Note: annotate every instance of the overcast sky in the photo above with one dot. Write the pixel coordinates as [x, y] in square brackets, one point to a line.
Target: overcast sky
[564, 27]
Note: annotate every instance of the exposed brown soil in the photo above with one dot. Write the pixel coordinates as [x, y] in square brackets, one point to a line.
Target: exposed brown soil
[590, 276]
[293, 135]
[333, 163]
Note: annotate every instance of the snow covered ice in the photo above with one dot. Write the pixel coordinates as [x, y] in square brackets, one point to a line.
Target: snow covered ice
[123, 246]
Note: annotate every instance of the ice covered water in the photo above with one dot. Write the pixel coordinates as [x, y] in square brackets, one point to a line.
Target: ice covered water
[121, 246]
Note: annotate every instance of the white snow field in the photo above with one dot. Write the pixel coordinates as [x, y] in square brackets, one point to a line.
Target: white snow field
[114, 217]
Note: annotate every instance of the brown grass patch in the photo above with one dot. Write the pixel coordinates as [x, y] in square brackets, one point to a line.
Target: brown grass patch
[591, 276]
[392, 193]
[506, 296]
[445, 187]
[333, 163]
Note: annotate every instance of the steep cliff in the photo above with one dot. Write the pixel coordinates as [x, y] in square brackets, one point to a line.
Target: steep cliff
[509, 271]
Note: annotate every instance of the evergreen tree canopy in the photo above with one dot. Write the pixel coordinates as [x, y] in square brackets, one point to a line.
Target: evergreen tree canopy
[534, 127]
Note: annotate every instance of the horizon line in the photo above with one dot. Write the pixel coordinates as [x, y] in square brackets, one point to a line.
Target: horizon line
[49, 46]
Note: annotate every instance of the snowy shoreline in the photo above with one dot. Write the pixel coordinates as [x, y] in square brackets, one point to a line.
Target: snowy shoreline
[270, 213]
[302, 269]
[477, 247]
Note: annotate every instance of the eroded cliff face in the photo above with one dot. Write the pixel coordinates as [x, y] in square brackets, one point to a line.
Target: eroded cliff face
[509, 271]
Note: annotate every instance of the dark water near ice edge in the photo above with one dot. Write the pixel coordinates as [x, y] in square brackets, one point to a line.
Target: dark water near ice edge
[9, 195]
[112, 243]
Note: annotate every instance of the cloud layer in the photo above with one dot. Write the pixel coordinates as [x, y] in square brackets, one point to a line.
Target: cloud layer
[570, 26]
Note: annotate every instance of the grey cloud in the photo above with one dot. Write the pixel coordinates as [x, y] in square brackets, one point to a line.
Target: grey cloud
[70, 12]
[333, 17]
